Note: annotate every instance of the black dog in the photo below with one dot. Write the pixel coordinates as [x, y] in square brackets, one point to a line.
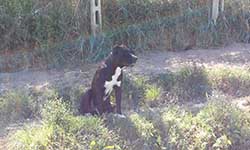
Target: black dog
[108, 77]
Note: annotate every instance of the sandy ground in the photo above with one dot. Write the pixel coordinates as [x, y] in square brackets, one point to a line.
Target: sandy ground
[154, 62]
[159, 62]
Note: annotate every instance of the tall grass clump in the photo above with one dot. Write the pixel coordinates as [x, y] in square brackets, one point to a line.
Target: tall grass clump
[152, 93]
[146, 131]
[189, 83]
[196, 83]
[217, 126]
[34, 23]
[192, 82]
[59, 129]
[233, 81]
[134, 89]
[137, 132]
[16, 106]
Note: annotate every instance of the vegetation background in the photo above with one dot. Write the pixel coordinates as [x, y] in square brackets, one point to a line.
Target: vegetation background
[57, 32]
[189, 108]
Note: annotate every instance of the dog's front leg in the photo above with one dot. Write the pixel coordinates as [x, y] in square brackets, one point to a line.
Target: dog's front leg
[107, 106]
[85, 102]
[99, 102]
[118, 97]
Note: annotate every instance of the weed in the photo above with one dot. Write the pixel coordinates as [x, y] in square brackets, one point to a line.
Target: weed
[233, 81]
[218, 125]
[16, 106]
[61, 130]
[146, 131]
[152, 94]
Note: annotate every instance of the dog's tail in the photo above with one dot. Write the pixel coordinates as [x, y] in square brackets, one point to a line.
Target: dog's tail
[85, 102]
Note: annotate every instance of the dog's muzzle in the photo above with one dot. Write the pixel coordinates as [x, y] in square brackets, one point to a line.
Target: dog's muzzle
[134, 58]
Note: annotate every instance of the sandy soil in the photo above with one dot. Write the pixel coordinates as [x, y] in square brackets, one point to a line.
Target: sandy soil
[158, 62]
[154, 62]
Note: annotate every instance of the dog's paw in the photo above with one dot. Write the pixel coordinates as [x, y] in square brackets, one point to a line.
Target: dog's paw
[119, 115]
[88, 115]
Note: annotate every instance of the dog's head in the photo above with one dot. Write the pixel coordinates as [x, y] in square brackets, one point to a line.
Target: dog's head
[123, 56]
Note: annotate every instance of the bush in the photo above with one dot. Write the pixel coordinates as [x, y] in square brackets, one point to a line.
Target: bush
[196, 83]
[191, 82]
[55, 111]
[19, 105]
[32, 137]
[133, 88]
[146, 131]
[228, 122]
[71, 94]
[61, 130]
[136, 131]
[152, 93]
[33, 23]
[218, 126]
[232, 81]
[16, 106]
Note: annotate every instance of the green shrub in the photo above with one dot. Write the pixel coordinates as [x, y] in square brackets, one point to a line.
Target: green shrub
[71, 94]
[226, 121]
[79, 133]
[165, 80]
[34, 23]
[152, 93]
[55, 111]
[16, 106]
[32, 137]
[146, 131]
[180, 130]
[192, 82]
[20, 105]
[218, 126]
[61, 130]
[189, 83]
[232, 81]
[133, 88]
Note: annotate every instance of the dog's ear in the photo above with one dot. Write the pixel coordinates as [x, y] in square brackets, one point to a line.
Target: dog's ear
[119, 46]
[115, 46]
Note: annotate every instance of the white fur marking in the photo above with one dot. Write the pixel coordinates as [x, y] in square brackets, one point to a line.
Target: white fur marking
[110, 84]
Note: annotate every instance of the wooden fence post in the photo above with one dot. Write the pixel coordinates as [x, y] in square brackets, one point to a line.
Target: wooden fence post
[217, 7]
[215, 10]
[96, 17]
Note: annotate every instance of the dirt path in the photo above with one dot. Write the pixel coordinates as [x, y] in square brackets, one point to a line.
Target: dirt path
[149, 63]
[158, 62]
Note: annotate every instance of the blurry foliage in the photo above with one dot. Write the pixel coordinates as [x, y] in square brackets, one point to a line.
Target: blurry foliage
[58, 30]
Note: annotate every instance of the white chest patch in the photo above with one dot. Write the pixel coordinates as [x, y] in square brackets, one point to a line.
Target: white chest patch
[109, 85]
